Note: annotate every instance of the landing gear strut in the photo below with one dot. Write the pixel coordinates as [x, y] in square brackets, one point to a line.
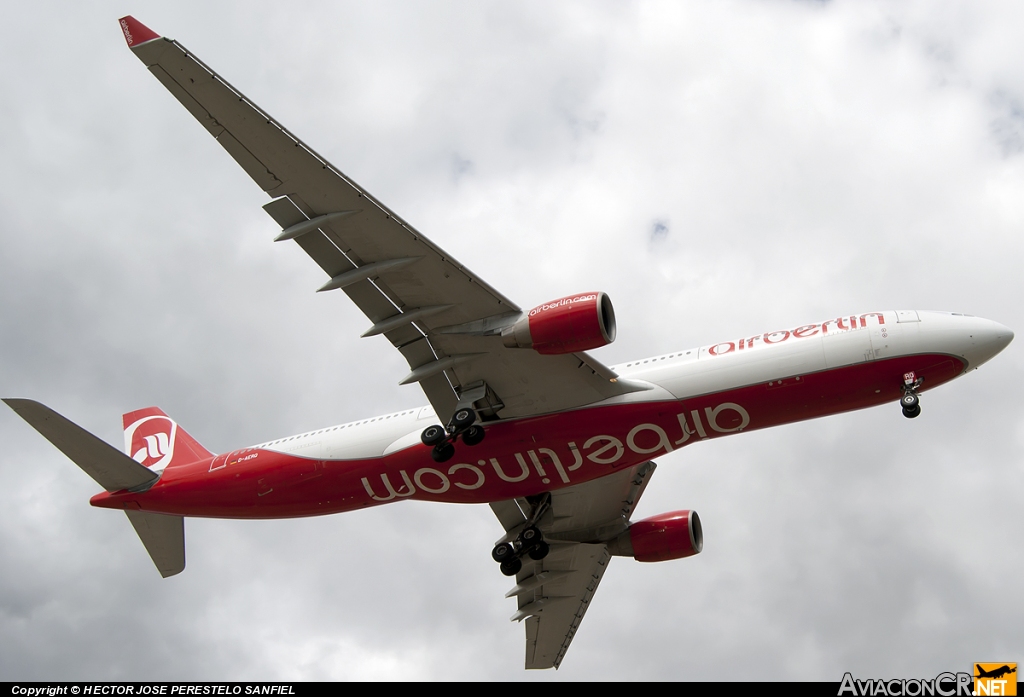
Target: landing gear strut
[529, 542]
[910, 402]
[443, 438]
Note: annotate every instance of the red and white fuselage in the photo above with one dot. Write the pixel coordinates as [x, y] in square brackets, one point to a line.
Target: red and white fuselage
[737, 385]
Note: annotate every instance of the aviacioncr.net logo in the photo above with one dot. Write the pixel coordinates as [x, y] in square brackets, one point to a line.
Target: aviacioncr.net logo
[150, 441]
[943, 685]
[995, 679]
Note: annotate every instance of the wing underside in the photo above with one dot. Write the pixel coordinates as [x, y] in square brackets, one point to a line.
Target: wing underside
[444, 319]
[554, 593]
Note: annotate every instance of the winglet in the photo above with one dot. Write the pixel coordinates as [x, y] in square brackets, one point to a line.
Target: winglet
[135, 32]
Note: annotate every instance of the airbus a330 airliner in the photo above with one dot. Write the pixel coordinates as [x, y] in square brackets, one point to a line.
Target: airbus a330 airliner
[560, 446]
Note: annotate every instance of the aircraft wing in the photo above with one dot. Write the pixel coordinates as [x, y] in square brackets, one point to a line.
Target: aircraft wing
[554, 593]
[444, 319]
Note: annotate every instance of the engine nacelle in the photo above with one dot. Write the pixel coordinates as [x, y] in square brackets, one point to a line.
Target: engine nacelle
[567, 325]
[667, 536]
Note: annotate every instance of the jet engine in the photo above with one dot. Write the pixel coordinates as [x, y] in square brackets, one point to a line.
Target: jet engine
[574, 323]
[662, 537]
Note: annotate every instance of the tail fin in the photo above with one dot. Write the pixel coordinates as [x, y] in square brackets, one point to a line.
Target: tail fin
[155, 440]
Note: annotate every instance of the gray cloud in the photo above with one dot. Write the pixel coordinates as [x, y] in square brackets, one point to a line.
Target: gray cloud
[813, 160]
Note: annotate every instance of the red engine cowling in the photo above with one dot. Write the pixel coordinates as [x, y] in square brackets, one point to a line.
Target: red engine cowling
[574, 323]
[667, 536]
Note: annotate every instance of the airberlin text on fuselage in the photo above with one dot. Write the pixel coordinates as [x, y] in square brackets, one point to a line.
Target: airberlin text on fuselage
[840, 324]
[646, 440]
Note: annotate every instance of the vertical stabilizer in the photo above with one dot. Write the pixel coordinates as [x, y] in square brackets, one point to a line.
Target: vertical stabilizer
[155, 440]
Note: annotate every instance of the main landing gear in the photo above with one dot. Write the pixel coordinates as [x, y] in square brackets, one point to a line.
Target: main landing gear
[443, 438]
[910, 402]
[528, 543]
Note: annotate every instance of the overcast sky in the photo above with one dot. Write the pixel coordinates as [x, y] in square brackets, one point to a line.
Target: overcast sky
[718, 168]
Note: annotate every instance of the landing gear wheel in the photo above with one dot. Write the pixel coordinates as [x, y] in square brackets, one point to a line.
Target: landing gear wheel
[539, 551]
[463, 418]
[511, 567]
[503, 552]
[530, 536]
[443, 452]
[909, 401]
[912, 413]
[432, 435]
[473, 435]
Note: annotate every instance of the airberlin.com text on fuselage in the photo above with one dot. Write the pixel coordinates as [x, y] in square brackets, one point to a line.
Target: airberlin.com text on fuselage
[642, 442]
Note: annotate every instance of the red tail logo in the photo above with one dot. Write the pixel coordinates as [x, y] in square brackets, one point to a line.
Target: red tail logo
[150, 440]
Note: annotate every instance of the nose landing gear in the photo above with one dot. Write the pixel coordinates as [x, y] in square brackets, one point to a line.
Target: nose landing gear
[910, 402]
[443, 438]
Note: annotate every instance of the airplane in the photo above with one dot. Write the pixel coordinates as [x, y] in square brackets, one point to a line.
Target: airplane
[995, 673]
[520, 416]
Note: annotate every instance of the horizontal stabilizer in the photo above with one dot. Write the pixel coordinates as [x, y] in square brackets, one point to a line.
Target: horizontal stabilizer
[164, 537]
[112, 469]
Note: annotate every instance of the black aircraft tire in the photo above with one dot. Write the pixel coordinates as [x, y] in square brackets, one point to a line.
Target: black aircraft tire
[463, 418]
[539, 551]
[530, 536]
[912, 413]
[443, 452]
[473, 435]
[432, 435]
[511, 567]
[501, 553]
